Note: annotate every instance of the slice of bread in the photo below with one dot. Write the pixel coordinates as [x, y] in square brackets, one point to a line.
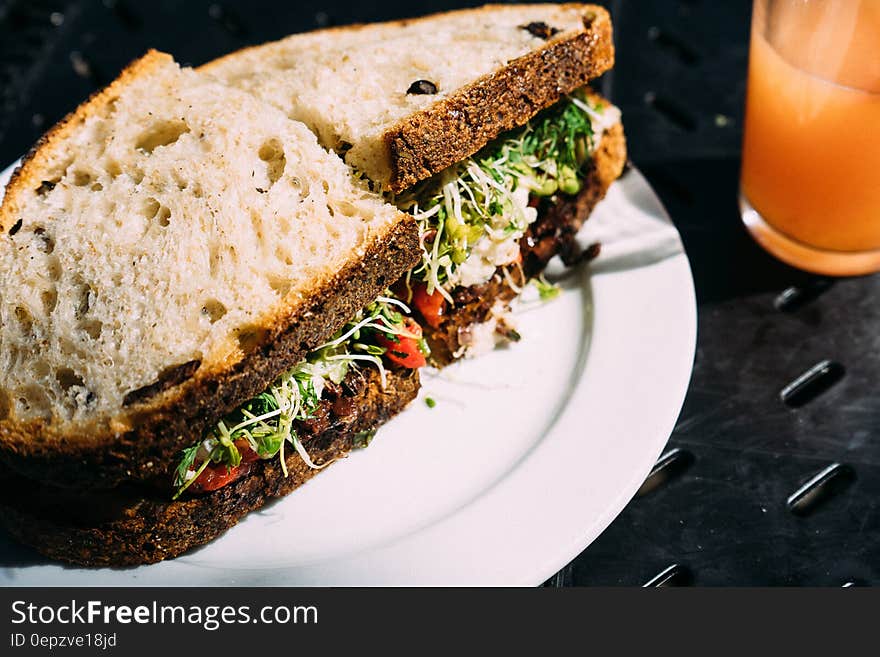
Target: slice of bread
[405, 99]
[166, 251]
[130, 526]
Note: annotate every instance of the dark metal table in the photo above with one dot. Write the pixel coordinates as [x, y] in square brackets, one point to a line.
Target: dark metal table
[751, 490]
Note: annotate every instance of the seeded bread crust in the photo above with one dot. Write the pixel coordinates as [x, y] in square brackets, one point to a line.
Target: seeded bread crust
[458, 126]
[125, 527]
[144, 440]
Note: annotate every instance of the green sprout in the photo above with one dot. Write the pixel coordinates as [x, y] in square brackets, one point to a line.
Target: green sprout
[488, 193]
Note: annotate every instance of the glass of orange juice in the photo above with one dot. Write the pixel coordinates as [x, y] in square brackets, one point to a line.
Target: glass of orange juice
[810, 185]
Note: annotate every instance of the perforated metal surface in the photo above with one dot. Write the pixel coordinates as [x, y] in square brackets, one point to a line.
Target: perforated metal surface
[752, 490]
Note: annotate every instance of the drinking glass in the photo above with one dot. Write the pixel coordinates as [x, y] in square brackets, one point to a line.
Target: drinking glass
[810, 184]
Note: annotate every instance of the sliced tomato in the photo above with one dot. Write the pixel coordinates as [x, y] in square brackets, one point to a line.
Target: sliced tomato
[403, 350]
[431, 306]
[218, 476]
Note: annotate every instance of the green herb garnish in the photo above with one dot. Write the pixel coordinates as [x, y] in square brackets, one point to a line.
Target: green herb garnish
[546, 289]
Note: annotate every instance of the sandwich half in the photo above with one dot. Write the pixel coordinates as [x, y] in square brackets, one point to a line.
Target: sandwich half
[192, 317]
[477, 122]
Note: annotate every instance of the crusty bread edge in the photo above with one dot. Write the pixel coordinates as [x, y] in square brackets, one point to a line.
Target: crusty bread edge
[133, 530]
[399, 22]
[25, 177]
[457, 126]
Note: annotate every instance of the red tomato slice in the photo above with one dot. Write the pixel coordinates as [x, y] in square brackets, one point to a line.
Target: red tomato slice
[218, 476]
[431, 306]
[402, 350]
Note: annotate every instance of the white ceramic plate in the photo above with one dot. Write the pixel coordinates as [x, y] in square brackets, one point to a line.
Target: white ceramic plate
[530, 452]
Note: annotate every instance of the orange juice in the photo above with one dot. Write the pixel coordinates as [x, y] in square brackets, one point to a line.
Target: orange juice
[811, 150]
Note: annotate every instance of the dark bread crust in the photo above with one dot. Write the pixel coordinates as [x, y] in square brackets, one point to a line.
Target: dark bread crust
[131, 526]
[456, 127]
[474, 305]
[158, 430]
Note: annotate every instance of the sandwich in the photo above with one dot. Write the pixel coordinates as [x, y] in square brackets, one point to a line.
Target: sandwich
[193, 318]
[480, 124]
[208, 275]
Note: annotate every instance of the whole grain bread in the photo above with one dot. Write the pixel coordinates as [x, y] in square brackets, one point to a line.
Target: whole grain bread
[132, 525]
[166, 251]
[405, 99]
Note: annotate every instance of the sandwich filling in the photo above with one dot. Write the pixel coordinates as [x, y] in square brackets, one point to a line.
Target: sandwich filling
[302, 400]
[473, 216]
